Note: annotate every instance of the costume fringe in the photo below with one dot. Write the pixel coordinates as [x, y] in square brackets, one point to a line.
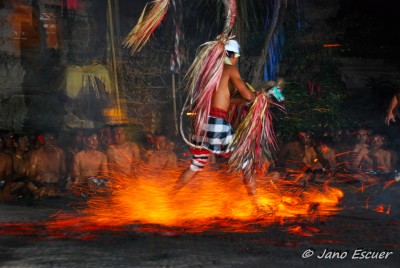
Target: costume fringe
[231, 12]
[146, 25]
[203, 76]
[202, 80]
[254, 139]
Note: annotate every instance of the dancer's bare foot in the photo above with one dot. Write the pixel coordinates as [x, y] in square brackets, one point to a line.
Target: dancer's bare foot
[186, 176]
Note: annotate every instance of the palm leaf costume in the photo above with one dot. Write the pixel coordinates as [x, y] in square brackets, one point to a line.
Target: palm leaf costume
[254, 138]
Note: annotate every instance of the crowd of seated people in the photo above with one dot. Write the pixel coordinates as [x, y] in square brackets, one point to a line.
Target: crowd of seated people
[306, 158]
[359, 157]
[38, 167]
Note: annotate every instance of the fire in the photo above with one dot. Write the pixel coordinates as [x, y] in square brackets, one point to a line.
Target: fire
[212, 201]
[149, 199]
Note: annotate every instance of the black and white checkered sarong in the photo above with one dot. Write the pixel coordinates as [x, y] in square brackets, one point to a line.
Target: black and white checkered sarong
[218, 137]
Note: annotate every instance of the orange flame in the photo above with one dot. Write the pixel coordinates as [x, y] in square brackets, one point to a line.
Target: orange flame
[148, 199]
[215, 201]
[211, 201]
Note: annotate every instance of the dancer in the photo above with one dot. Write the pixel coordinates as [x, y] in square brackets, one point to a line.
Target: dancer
[217, 134]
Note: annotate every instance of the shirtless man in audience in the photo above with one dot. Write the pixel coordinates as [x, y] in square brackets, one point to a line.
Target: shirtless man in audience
[89, 166]
[21, 155]
[123, 156]
[20, 164]
[300, 157]
[296, 154]
[47, 167]
[162, 157]
[359, 157]
[326, 153]
[326, 156]
[381, 158]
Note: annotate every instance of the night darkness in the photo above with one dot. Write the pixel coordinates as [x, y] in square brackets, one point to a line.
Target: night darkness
[369, 28]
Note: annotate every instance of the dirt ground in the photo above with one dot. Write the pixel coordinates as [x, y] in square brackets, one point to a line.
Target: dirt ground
[350, 234]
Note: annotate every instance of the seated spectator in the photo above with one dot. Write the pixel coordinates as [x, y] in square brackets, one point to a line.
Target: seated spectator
[359, 160]
[300, 158]
[21, 154]
[296, 154]
[21, 163]
[381, 158]
[326, 153]
[325, 162]
[47, 168]
[163, 156]
[123, 156]
[343, 147]
[89, 166]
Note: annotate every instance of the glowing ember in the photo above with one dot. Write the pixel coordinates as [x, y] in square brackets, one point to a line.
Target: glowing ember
[380, 209]
[331, 45]
[298, 230]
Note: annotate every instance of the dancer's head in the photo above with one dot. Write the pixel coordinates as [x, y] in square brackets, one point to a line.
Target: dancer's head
[232, 49]
[233, 46]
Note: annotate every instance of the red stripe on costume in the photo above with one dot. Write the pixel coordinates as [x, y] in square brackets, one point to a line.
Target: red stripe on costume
[219, 113]
[199, 151]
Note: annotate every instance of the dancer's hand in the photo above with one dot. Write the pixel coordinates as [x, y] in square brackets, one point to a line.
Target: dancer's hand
[390, 118]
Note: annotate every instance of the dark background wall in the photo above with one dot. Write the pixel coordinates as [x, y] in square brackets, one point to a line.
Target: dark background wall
[367, 58]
